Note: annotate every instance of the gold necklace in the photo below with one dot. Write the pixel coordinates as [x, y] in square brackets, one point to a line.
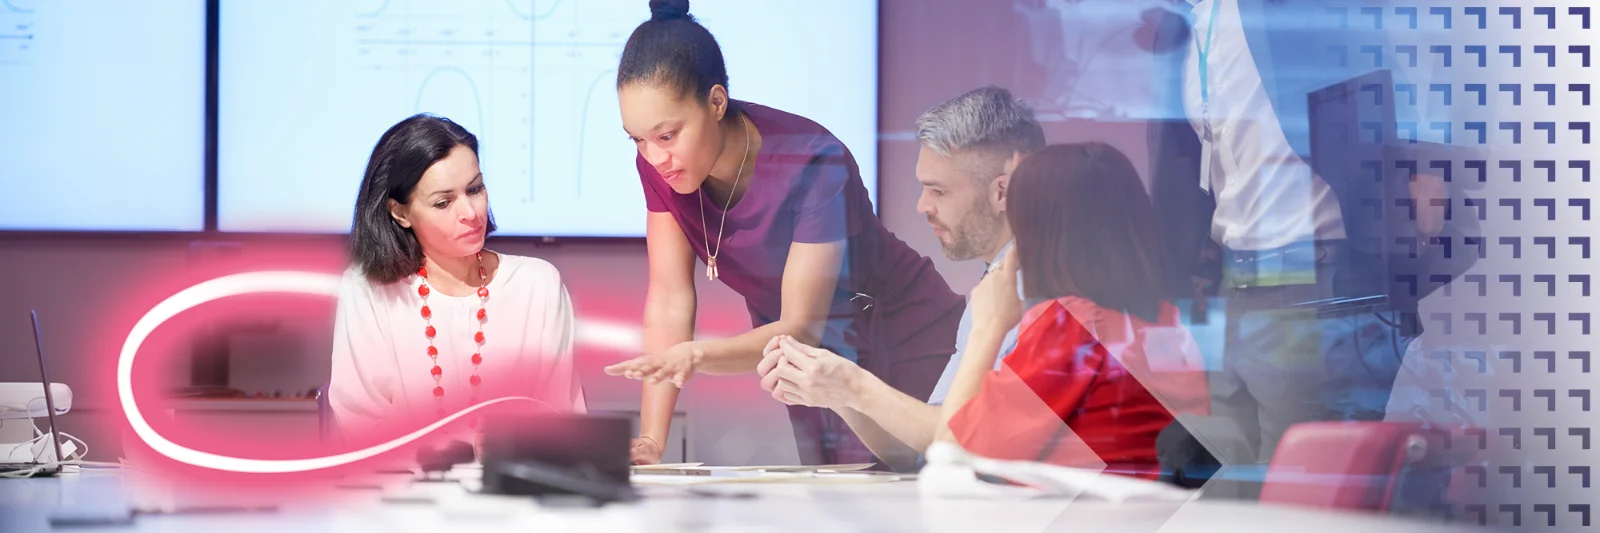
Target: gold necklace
[711, 257]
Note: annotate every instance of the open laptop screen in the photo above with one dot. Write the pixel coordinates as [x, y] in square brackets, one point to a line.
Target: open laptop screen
[49, 398]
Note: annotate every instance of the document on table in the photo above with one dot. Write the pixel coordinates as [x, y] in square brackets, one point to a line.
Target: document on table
[852, 467]
[696, 474]
[668, 466]
[697, 469]
[747, 476]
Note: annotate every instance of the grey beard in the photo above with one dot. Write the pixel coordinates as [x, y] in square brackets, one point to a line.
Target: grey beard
[974, 238]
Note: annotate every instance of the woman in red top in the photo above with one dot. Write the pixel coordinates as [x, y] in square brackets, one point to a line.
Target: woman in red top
[1102, 363]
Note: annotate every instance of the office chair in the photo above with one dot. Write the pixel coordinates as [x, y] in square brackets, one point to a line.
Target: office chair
[1344, 465]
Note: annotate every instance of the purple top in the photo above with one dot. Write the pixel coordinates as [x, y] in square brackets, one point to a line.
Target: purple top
[805, 187]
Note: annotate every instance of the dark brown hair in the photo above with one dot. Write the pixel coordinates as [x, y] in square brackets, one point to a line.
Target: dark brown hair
[674, 50]
[385, 251]
[1085, 227]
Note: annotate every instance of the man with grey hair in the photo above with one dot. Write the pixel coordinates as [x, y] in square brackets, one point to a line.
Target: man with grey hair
[970, 145]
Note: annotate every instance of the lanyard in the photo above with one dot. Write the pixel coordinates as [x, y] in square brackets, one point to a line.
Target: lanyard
[1205, 53]
[1207, 150]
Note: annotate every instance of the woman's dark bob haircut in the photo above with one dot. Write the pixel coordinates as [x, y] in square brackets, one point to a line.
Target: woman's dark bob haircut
[385, 251]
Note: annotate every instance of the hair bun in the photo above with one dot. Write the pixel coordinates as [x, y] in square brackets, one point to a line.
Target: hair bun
[669, 9]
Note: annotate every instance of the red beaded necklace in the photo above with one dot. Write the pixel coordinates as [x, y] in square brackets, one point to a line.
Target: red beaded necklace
[433, 351]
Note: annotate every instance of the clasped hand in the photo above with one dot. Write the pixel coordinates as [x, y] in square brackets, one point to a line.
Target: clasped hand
[797, 374]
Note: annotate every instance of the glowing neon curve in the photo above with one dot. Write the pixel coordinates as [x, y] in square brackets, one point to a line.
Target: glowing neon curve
[235, 285]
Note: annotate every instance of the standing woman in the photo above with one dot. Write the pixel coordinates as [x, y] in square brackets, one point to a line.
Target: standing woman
[774, 205]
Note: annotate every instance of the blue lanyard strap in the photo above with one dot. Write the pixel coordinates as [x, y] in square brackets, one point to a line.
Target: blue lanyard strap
[1205, 53]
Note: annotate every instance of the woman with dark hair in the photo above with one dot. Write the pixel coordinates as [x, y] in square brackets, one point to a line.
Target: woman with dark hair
[774, 205]
[1109, 358]
[428, 321]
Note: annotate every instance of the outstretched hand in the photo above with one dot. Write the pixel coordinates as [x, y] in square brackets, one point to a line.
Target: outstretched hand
[675, 365]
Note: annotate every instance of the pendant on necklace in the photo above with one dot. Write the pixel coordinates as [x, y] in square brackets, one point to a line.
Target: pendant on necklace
[711, 268]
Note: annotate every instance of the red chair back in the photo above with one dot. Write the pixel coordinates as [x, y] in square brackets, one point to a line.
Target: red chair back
[1342, 465]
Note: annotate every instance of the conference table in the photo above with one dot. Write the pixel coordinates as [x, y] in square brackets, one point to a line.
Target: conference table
[100, 500]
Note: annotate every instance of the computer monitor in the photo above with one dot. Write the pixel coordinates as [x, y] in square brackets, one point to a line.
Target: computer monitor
[1352, 128]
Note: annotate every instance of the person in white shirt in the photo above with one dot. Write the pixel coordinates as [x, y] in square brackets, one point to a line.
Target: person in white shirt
[429, 322]
[970, 145]
[1286, 252]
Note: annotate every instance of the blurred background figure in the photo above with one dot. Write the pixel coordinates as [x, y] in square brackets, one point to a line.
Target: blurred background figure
[1313, 330]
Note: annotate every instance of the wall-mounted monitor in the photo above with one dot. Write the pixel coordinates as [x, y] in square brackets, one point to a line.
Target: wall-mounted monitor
[307, 87]
[102, 115]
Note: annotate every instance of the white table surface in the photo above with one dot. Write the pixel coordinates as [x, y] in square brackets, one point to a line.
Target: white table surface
[27, 504]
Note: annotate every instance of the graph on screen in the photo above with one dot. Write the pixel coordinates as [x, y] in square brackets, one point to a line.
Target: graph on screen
[533, 79]
[102, 115]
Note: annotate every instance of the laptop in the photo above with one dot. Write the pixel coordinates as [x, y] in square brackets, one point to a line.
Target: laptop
[35, 468]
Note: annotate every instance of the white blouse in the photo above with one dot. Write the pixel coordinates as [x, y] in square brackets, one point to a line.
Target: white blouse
[382, 381]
